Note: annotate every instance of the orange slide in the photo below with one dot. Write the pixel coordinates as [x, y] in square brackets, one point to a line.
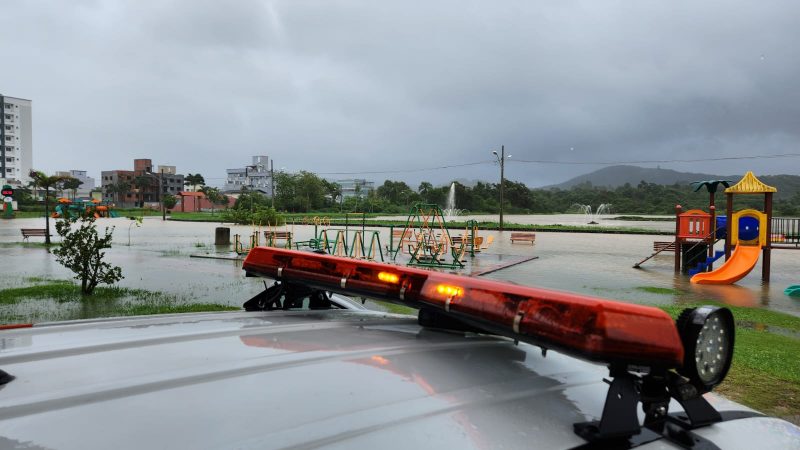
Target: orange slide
[741, 262]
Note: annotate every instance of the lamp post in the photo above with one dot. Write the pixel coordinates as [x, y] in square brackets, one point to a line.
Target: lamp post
[501, 158]
[247, 183]
[272, 181]
[161, 188]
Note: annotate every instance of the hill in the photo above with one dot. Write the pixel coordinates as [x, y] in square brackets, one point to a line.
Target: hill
[616, 176]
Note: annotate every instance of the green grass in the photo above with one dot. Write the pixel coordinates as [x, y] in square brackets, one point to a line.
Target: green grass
[196, 216]
[33, 244]
[644, 219]
[748, 317]
[28, 214]
[397, 309]
[105, 301]
[659, 290]
[765, 373]
[165, 308]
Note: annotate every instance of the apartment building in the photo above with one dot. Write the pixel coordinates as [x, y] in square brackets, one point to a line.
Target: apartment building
[255, 177]
[86, 188]
[140, 187]
[16, 139]
[355, 187]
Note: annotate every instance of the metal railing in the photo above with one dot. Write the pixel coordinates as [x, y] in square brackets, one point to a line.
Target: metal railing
[786, 230]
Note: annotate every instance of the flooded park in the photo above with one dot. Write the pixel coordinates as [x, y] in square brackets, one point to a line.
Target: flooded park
[180, 259]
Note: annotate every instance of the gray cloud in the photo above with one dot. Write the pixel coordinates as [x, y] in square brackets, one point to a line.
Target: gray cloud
[334, 86]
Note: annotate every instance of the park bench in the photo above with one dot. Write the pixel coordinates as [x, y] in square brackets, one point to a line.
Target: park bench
[523, 237]
[458, 239]
[273, 236]
[401, 238]
[35, 232]
[285, 235]
[664, 246]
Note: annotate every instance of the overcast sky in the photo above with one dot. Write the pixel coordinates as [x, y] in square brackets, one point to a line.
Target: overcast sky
[357, 86]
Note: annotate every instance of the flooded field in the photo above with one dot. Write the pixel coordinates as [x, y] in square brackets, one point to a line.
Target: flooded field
[159, 259]
[603, 220]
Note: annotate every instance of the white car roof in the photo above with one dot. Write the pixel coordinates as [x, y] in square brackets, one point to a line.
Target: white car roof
[303, 379]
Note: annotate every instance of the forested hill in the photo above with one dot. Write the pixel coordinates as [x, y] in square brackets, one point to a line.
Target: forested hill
[617, 176]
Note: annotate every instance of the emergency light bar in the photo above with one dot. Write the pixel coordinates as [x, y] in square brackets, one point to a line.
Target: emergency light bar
[588, 327]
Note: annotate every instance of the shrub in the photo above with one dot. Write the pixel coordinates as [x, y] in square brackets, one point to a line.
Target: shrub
[81, 251]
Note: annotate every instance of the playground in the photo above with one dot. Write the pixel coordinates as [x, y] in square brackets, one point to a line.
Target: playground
[597, 264]
[75, 208]
[746, 235]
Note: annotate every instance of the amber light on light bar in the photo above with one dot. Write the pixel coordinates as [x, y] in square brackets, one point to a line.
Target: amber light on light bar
[590, 327]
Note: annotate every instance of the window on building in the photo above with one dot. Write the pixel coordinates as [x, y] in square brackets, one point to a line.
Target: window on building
[9, 170]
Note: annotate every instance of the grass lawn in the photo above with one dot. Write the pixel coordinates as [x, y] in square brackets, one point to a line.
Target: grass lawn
[216, 216]
[765, 374]
[41, 299]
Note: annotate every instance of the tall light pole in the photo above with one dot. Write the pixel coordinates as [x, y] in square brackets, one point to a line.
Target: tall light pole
[272, 181]
[161, 195]
[247, 182]
[501, 158]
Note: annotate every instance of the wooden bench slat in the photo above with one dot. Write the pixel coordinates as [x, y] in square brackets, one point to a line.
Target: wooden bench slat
[33, 232]
[523, 237]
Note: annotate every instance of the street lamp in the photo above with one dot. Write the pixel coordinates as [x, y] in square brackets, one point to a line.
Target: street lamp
[501, 158]
[247, 182]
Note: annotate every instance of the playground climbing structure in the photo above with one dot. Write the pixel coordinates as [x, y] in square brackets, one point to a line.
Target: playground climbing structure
[429, 243]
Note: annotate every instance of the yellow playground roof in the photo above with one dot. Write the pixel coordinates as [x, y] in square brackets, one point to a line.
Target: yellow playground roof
[749, 184]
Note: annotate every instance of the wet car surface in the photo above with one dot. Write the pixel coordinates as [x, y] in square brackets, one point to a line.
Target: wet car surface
[339, 378]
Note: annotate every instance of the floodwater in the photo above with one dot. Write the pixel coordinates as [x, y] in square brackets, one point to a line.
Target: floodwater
[603, 220]
[159, 259]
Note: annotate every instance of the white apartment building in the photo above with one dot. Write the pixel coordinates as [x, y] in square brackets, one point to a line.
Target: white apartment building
[16, 139]
[355, 187]
[88, 182]
[255, 177]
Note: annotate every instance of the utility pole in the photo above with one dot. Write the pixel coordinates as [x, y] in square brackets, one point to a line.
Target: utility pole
[501, 158]
[272, 180]
[161, 194]
[502, 181]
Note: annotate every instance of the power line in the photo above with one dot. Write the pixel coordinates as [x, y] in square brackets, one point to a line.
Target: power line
[658, 161]
[451, 166]
[547, 161]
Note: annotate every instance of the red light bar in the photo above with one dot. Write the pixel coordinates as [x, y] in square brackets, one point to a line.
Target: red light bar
[589, 327]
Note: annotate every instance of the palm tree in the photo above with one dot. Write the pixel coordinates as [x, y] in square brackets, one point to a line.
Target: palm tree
[41, 180]
[711, 186]
[72, 184]
[141, 182]
[117, 189]
[194, 180]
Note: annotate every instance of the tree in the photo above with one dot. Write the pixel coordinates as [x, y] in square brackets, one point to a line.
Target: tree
[214, 196]
[46, 182]
[72, 184]
[119, 188]
[170, 201]
[81, 251]
[711, 187]
[141, 182]
[194, 180]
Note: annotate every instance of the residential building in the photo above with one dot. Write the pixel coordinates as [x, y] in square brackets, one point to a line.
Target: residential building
[16, 139]
[355, 187]
[140, 187]
[85, 189]
[255, 177]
